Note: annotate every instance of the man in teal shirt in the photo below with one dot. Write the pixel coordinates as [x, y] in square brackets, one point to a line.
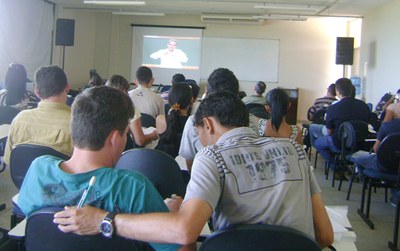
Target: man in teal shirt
[99, 126]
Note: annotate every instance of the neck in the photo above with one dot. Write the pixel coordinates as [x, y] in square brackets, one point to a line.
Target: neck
[145, 85]
[61, 98]
[83, 161]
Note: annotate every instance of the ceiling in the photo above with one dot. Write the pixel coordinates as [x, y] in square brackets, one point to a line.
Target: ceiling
[324, 8]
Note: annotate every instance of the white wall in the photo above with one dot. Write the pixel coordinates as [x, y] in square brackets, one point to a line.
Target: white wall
[307, 49]
[381, 51]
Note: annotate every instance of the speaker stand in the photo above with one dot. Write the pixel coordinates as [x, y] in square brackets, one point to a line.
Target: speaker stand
[63, 57]
[344, 70]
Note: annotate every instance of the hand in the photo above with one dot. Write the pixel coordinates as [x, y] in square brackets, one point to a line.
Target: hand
[83, 221]
[173, 203]
[155, 135]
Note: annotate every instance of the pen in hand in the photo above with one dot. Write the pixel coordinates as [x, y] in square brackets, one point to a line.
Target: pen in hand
[86, 192]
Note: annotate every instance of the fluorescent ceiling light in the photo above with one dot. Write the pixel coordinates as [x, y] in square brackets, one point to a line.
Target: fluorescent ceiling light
[290, 7]
[138, 13]
[99, 2]
[282, 17]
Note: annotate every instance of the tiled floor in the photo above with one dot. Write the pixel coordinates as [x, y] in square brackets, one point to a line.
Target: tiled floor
[382, 214]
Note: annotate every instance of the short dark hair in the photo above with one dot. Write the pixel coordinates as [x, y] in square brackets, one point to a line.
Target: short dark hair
[144, 74]
[278, 100]
[332, 90]
[178, 78]
[195, 87]
[119, 82]
[260, 87]
[96, 112]
[227, 108]
[222, 79]
[95, 80]
[344, 86]
[50, 81]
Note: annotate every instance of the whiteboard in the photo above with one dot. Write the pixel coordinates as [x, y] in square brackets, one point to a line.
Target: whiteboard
[249, 59]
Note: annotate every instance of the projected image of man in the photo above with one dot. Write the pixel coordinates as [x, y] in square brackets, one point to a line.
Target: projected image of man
[170, 57]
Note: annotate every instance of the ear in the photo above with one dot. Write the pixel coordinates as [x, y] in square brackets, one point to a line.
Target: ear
[267, 108]
[35, 90]
[67, 88]
[209, 125]
[113, 137]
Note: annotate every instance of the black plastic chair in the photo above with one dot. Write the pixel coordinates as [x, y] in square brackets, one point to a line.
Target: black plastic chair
[42, 234]
[22, 157]
[20, 161]
[147, 120]
[160, 168]
[7, 114]
[257, 110]
[258, 237]
[352, 135]
[389, 161]
[319, 116]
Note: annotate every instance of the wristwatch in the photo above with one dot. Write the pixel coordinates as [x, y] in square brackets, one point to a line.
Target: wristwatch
[106, 227]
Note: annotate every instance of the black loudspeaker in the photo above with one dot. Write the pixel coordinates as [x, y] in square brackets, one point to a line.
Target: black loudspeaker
[344, 50]
[65, 32]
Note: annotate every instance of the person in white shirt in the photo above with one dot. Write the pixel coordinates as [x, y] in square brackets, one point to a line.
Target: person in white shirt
[142, 97]
[170, 57]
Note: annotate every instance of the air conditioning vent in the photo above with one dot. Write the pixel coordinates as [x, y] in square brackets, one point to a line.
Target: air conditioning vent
[222, 19]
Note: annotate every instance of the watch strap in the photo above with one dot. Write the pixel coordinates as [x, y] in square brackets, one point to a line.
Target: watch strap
[110, 216]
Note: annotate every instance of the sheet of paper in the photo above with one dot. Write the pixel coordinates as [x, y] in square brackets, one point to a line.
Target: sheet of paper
[154, 143]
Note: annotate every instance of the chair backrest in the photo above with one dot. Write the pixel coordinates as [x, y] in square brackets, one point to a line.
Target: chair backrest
[386, 153]
[352, 135]
[147, 120]
[258, 237]
[23, 155]
[7, 114]
[41, 234]
[258, 110]
[319, 116]
[160, 168]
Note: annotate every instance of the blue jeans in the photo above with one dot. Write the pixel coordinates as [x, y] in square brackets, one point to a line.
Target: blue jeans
[364, 159]
[368, 160]
[325, 147]
[316, 131]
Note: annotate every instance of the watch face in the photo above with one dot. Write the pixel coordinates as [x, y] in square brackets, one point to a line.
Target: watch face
[106, 228]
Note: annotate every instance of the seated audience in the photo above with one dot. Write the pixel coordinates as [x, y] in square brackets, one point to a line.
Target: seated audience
[233, 181]
[95, 80]
[15, 93]
[195, 94]
[142, 97]
[392, 108]
[323, 102]
[135, 125]
[364, 159]
[348, 108]
[257, 97]
[171, 127]
[53, 182]
[220, 80]
[47, 125]
[277, 105]
[176, 78]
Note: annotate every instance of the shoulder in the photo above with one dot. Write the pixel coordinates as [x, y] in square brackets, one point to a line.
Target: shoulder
[129, 176]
